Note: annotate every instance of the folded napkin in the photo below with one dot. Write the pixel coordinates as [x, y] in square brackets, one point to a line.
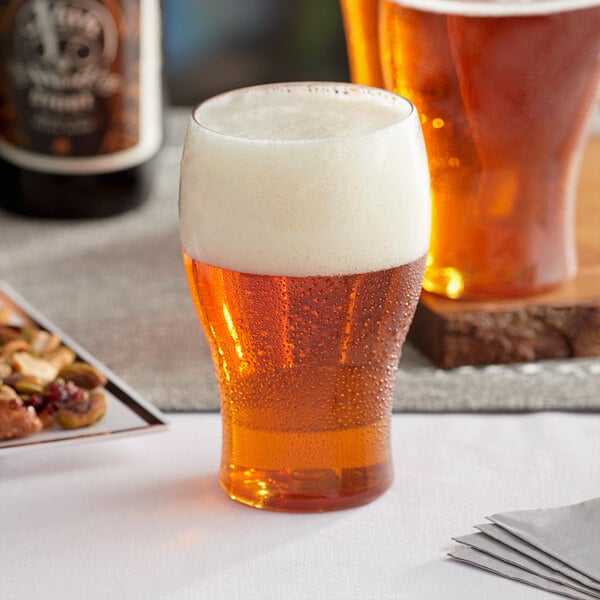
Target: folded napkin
[569, 533]
[555, 549]
[512, 542]
[485, 561]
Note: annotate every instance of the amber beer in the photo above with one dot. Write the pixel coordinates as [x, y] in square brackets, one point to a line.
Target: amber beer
[292, 198]
[506, 91]
[361, 23]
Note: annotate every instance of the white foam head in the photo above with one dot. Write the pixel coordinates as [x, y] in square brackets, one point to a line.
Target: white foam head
[498, 8]
[305, 179]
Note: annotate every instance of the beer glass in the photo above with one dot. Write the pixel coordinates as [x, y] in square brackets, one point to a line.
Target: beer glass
[304, 220]
[506, 92]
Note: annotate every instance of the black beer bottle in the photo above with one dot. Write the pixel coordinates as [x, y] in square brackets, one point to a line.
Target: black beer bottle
[80, 105]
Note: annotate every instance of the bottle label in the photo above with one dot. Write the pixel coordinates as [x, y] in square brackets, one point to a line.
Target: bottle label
[79, 84]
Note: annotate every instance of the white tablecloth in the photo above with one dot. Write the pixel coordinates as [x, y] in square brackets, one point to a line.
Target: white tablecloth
[144, 517]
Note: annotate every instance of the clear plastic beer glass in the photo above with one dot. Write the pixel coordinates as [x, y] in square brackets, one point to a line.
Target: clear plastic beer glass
[304, 218]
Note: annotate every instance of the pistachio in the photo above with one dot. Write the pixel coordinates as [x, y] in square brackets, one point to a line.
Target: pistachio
[5, 369]
[12, 379]
[28, 384]
[43, 342]
[26, 364]
[7, 394]
[74, 417]
[9, 348]
[28, 331]
[60, 358]
[8, 334]
[83, 375]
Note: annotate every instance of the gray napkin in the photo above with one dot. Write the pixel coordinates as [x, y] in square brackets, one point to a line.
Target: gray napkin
[490, 546]
[569, 533]
[512, 541]
[555, 549]
[489, 563]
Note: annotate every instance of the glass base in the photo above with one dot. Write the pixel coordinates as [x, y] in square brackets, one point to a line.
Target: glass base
[306, 490]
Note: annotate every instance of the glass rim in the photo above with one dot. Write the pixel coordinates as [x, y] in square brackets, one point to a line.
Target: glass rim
[498, 8]
[409, 117]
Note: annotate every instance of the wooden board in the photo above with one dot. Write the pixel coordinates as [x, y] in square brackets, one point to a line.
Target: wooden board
[562, 323]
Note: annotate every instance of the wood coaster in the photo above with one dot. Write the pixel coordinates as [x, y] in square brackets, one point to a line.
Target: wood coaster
[562, 323]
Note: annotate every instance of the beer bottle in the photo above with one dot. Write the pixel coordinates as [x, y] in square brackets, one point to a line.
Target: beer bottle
[80, 105]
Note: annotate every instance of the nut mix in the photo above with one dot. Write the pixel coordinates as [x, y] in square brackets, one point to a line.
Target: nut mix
[42, 384]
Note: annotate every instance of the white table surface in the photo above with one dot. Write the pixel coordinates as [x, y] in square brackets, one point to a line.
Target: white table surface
[144, 517]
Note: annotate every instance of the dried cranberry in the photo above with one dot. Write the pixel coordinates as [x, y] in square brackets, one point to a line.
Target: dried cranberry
[38, 401]
[67, 395]
[61, 395]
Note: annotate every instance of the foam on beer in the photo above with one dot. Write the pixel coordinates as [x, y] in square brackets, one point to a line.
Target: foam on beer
[305, 179]
[498, 8]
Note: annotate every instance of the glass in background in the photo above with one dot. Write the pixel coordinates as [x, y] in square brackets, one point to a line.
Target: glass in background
[506, 93]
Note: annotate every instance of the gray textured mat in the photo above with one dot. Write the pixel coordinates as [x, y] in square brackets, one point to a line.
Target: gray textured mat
[117, 286]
